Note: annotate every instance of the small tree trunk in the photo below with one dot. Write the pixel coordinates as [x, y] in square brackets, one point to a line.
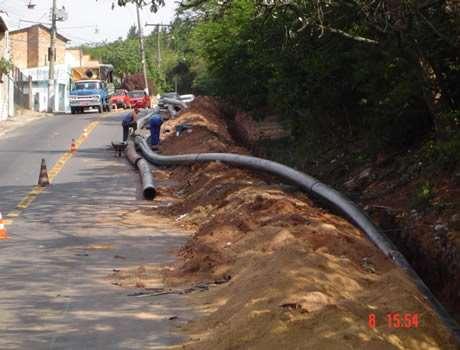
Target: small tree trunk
[435, 97]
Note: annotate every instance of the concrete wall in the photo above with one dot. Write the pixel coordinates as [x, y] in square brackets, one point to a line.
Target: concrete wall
[6, 87]
[4, 96]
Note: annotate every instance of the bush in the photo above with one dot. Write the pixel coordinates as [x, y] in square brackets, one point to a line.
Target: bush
[423, 196]
[444, 154]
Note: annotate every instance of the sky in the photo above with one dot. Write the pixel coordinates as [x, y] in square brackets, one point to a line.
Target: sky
[89, 21]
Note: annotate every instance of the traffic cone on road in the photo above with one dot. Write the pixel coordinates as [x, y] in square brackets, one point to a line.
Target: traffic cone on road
[3, 234]
[73, 147]
[43, 180]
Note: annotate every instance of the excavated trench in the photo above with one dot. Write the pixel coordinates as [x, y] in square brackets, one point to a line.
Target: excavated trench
[291, 263]
[439, 266]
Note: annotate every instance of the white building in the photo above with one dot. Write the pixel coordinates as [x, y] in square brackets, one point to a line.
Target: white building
[39, 77]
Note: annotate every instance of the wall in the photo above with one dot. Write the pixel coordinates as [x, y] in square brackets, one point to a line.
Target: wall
[7, 86]
[19, 49]
[4, 85]
[44, 38]
[73, 57]
[88, 62]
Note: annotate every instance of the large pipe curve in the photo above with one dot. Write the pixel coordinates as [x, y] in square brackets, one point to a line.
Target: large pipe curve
[321, 191]
[148, 186]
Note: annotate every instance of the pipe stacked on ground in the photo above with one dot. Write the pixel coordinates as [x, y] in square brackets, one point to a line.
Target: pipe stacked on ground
[175, 102]
[148, 186]
[320, 191]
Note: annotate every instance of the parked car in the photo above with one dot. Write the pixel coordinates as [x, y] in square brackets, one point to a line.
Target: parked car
[89, 94]
[121, 99]
[139, 99]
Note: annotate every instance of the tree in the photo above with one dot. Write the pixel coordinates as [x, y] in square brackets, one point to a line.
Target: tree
[385, 69]
[154, 4]
[133, 33]
[425, 34]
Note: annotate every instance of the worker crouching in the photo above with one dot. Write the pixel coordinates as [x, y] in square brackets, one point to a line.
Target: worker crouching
[129, 121]
[155, 127]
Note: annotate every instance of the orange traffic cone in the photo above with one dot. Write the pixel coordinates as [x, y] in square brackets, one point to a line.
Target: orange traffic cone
[3, 234]
[43, 180]
[73, 147]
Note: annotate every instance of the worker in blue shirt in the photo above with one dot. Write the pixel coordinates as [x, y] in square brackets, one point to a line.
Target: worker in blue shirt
[129, 121]
[155, 127]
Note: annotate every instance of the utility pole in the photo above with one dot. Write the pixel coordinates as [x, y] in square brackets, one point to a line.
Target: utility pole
[141, 44]
[51, 58]
[158, 25]
[158, 49]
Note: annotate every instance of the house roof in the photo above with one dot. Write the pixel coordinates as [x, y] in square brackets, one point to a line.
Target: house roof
[3, 25]
[26, 29]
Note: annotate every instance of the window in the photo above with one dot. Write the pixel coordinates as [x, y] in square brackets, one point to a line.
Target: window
[136, 94]
[87, 85]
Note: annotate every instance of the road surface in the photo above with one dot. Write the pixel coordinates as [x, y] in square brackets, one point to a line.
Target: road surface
[55, 285]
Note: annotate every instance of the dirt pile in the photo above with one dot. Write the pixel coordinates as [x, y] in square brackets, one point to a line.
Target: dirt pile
[411, 192]
[298, 276]
[206, 133]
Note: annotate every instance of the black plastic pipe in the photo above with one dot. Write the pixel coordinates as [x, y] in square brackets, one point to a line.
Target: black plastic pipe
[312, 186]
[131, 154]
[148, 185]
[175, 102]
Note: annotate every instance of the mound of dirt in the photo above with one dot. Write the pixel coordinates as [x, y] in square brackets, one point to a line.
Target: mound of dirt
[301, 277]
[207, 131]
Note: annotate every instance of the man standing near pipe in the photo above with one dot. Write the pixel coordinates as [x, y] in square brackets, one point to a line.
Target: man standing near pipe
[155, 127]
[129, 121]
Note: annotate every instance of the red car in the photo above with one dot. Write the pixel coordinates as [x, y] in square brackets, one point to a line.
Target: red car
[139, 99]
[121, 99]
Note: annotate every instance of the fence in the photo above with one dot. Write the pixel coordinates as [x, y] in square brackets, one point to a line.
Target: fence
[21, 88]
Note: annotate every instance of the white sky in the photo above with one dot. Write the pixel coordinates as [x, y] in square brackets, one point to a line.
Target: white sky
[88, 15]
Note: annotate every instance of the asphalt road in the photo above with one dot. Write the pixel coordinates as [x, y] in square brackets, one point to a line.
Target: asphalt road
[55, 287]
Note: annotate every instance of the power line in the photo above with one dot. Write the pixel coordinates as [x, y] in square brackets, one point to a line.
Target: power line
[43, 15]
[85, 26]
[71, 36]
[36, 22]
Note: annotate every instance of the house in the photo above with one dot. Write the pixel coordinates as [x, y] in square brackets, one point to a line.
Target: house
[30, 45]
[6, 86]
[29, 52]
